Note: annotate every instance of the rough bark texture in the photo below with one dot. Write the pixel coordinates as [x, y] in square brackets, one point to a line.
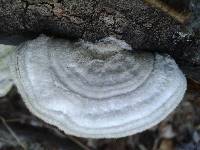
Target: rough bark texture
[140, 25]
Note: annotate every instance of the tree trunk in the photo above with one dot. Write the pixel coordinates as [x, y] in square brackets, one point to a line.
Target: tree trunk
[134, 21]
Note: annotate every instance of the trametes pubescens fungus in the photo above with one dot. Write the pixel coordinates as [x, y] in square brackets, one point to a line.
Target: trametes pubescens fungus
[6, 81]
[96, 90]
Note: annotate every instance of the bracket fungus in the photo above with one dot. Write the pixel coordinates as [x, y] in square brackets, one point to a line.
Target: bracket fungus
[96, 90]
[6, 81]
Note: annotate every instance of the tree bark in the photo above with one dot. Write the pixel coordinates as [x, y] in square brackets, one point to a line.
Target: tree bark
[134, 21]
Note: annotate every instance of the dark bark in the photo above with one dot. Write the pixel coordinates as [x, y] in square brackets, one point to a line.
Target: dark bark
[143, 27]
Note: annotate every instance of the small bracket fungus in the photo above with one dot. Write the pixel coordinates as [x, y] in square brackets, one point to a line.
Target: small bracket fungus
[5, 76]
[96, 90]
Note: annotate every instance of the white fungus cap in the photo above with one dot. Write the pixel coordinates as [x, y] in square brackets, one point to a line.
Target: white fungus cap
[6, 81]
[96, 90]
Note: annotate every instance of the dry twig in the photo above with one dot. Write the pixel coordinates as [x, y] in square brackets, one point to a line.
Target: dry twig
[84, 147]
[12, 133]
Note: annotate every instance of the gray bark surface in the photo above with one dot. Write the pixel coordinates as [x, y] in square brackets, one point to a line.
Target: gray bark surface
[134, 21]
